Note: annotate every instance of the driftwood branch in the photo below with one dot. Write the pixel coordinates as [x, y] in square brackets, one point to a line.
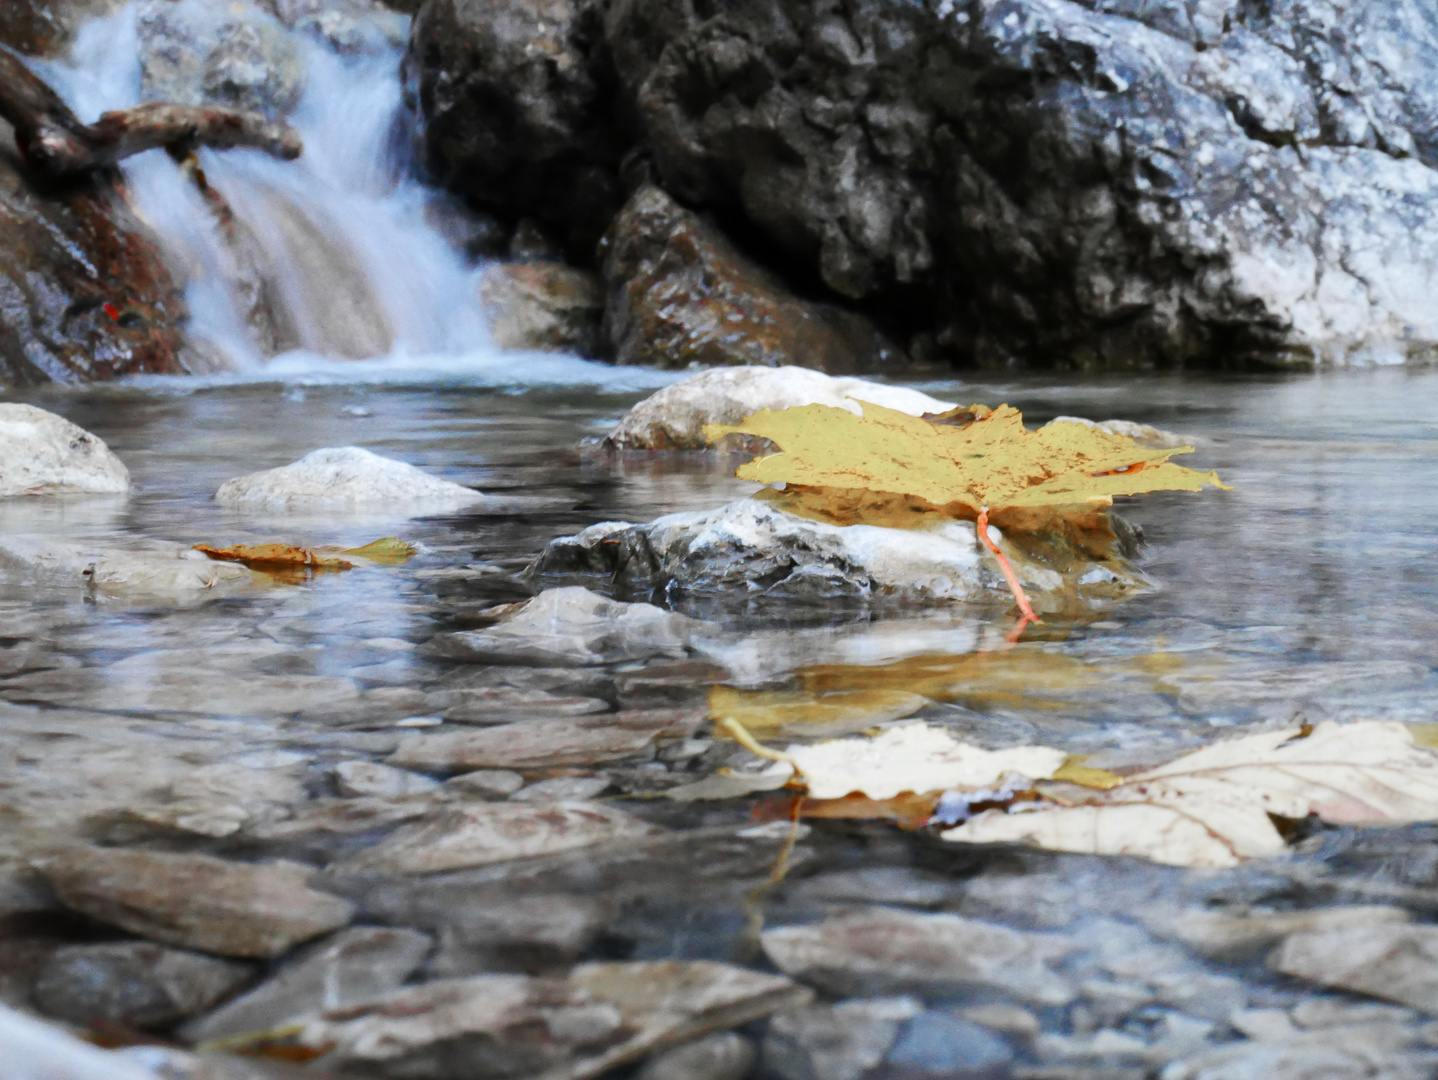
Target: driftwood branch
[53, 140]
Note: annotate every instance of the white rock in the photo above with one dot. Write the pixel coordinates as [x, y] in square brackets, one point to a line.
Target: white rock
[346, 477]
[674, 417]
[153, 570]
[36, 1051]
[41, 453]
[1388, 960]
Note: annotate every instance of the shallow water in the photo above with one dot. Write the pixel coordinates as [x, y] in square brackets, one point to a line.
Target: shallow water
[1304, 593]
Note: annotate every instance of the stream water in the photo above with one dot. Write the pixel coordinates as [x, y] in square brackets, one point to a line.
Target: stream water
[221, 726]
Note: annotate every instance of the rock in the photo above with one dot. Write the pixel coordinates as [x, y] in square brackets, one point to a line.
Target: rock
[1392, 961]
[41, 453]
[603, 1016]
[196, 55]
[347, 26]
[939, 1046]
[156, 571]
[506, 704]
[714, 1057]
[877, 950]
[563, 789]
[897, 885]
[681, 296]
[540, 932]
[547, 744]
[543, 305]
[572, 626]
[514, 113]
[382, 781]
[835, 1042]
[1234, 935]
[351, 966]
[35, 1050]
[86, 293]
[476, 835]
[135, 983]
[752, 546]
[46, 27]
[346, 478]
[195, 901]
[486, 783]
[673, 418]
[1245, 1060]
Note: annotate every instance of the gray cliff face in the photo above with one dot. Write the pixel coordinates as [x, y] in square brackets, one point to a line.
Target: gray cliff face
[1114, 183]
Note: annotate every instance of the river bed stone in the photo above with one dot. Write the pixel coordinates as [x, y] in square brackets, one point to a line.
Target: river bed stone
[41, 453]
[136, 983]
[196, 901]
[346, 477]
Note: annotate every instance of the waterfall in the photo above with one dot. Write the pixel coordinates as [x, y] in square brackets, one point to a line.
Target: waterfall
[336, 249]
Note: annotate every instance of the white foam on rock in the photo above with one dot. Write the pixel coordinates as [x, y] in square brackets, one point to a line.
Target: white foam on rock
[42, 454]
[346, 477]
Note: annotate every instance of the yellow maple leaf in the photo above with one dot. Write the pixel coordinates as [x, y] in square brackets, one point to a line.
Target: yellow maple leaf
[991, 461]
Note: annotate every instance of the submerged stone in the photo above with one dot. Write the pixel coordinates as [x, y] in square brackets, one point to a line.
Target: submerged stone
[196, 901]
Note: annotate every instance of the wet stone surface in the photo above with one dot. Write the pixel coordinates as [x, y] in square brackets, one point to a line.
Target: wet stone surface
[413, 818]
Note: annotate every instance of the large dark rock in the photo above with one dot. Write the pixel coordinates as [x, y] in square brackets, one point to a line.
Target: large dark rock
[1105, 183]
[517, 115]
[681, 295]
[84, 292]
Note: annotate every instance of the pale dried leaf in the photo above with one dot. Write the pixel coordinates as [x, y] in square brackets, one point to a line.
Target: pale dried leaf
[915, 757]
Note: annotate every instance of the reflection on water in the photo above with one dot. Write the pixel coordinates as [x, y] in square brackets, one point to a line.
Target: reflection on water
[1304, 591]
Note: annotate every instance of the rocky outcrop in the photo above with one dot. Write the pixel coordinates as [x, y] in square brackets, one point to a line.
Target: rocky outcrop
[680, 295]
[1103, 183]
[518, 111]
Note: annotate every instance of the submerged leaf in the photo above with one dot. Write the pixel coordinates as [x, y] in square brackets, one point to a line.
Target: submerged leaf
[268, 556]
[992, 461]
[387, 550]
[765, 713]
[1213, 807]
[913, 757]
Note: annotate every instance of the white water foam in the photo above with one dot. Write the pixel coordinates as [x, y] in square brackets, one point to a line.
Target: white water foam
[350, 184]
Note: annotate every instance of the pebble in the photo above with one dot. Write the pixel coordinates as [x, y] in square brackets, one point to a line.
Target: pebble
[354, 964]
[135, 983]
[563, 789]
[1392, 961]
[726, 1056]
[197, 901]
[485, 783]
[878, 950]
[382, 781]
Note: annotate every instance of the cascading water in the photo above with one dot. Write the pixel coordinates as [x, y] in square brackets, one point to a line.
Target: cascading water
[353, 281]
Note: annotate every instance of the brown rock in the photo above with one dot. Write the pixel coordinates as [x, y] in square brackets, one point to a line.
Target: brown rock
[476, 835]
[197, 902]
[543, 305]
[84, 291]
[546, 744]
[681, 295]
[44, 27]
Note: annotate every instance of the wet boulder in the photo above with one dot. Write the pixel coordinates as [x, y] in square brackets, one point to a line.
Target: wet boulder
[347, 26]
[41, 454]
[752, 546]
[84, 292]
[346, 477]
[673, 418]
[681, 295]
[196, 55]
[153, 571]
[45, 27]
[546, 306]
[516, 112]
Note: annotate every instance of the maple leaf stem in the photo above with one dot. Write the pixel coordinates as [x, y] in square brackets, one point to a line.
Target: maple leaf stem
[1027, 611]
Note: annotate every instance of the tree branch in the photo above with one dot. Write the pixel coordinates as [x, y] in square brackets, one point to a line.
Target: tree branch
[53, 140]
